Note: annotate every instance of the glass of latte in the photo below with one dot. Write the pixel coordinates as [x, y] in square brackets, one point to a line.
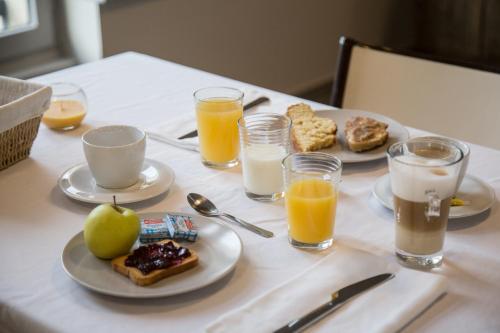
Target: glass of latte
[424, 175]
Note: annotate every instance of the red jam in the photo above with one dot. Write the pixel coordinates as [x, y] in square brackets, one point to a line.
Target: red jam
[147, 258]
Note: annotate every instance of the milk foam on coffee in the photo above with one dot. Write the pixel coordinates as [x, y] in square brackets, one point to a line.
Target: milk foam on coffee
[412, 182]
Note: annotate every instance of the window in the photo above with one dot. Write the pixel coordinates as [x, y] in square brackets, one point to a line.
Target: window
[32, 38]
[17, 16]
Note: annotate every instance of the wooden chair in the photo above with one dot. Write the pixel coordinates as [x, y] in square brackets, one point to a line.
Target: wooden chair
[441, 96]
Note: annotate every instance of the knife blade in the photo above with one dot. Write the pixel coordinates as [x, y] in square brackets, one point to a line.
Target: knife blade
[339, 298]
[247, 106]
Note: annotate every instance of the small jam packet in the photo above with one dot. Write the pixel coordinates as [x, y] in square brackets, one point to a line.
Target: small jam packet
[181, 227]
[153, 230]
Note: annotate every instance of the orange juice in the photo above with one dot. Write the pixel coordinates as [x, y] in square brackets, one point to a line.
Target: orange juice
[311, 205]
[64, 114]
[218, 129]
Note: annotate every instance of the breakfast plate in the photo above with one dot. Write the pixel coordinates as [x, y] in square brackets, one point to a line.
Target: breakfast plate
[479, 194]
[218, 247]
[155, 178]
[397, 132]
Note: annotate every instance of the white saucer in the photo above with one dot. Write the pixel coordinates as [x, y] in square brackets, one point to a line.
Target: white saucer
[480, 195]
[77, 183]
[218, 247]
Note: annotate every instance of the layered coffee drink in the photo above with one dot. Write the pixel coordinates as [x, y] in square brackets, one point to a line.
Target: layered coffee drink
[417, 230]
[423, 180]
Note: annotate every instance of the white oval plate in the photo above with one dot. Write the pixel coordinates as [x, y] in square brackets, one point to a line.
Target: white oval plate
[397, 132]
[218, 247]
[480, 195]
[155, 178]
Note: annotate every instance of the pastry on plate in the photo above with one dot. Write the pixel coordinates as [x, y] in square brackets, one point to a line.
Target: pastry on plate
[309, 132]
[364, 133]
[153, 262]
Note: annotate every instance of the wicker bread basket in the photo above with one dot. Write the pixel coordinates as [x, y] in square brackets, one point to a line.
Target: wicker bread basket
[22, 105]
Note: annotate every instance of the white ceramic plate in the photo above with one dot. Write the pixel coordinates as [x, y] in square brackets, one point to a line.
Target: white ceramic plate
[480, 195]
[77, 183]
[397, 132]
[218, 247]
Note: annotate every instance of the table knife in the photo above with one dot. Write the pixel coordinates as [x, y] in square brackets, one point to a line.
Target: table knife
[247, 106]
[339, 298]
[173, 142]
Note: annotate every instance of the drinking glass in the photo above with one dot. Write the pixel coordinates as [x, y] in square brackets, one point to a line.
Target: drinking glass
[312, 186]
[68, 107]
[424, 175]
[465, 150]
[217, 112]
[265, 142]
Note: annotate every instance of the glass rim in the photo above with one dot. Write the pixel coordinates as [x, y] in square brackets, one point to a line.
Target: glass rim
[400, 143]
[271, 114]
[76, 88]
[457, 143]
[88, 132]
[235, 90]
[324, 156]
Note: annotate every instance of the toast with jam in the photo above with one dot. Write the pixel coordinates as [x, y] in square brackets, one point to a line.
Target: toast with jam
[153, 262]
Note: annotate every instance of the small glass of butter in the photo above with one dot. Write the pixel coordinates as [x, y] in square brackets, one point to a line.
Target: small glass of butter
[68, 107]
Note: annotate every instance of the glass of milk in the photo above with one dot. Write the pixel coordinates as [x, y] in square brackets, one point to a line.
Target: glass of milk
[265, 142]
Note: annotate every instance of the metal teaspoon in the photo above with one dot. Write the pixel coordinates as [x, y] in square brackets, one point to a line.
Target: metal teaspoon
[206, 207]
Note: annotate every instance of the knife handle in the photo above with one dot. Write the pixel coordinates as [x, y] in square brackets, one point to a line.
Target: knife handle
[191, 134]
[255, 102]
[307, 320]
[247, 106]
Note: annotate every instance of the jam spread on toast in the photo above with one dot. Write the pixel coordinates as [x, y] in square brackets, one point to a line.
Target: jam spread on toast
[148, 258]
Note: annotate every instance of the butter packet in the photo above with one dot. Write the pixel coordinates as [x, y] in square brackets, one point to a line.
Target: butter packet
[153, 230]
[455, 201]
[181, 227]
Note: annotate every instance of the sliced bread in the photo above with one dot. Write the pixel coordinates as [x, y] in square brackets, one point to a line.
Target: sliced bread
[364, 133]
[309, 132]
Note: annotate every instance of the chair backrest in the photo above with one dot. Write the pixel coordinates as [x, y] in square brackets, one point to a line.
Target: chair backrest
[448, 98]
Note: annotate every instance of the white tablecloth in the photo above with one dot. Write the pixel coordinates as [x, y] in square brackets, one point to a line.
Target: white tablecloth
[37, 219]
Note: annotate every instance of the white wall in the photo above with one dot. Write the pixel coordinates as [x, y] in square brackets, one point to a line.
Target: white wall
[287, 45]
[84, 29]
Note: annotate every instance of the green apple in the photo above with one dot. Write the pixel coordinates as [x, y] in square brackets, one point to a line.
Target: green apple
[110, 231]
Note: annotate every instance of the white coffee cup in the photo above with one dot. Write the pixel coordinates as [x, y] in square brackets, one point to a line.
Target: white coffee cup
[115, 154]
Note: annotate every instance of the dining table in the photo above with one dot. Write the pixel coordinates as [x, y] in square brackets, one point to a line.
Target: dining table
[37, 219]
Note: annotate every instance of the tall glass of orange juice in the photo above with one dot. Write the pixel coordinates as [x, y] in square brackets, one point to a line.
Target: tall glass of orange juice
[311, 195]
[217, 112]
